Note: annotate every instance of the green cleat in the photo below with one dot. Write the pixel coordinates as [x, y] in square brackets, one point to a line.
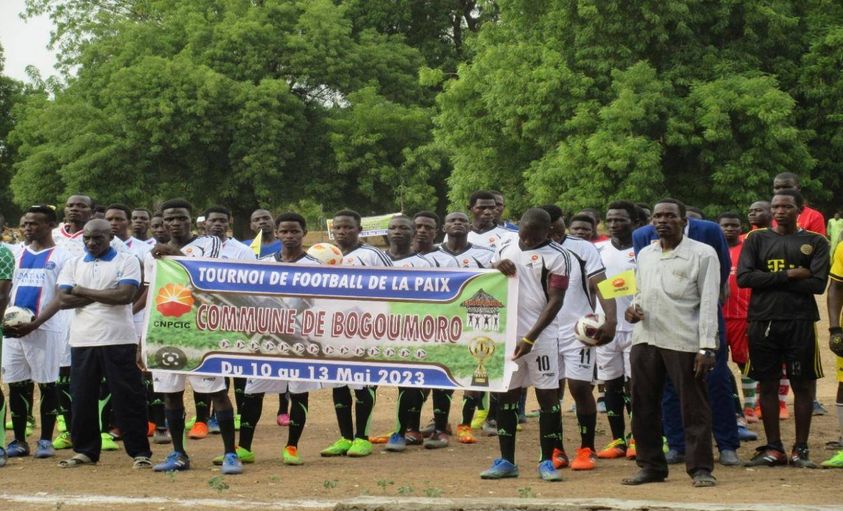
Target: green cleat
[108, 443]
[62, 441]
[61, 426]
[189, 423]
[245, 455]
[338, 448]
[360, 448]
[835, 461]
[291, 456]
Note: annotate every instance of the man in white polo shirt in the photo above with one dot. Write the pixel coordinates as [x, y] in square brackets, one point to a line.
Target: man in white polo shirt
[101, 286]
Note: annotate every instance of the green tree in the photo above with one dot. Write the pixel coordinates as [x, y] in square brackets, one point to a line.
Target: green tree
[12, 92]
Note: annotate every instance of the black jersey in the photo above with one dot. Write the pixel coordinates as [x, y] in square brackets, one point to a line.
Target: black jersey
[763, 265]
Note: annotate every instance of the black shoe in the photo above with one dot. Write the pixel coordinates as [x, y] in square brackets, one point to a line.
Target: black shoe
[644, 477]
[767, 456]
[703, 479]
[799, 458]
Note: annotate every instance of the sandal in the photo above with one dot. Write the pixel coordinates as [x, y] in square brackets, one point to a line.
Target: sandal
[77, 460]
[142, 462]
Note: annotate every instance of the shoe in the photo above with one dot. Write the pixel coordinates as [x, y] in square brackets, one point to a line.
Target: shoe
[757, 410]
[644, 477]
[476, 423]
[429, 429]
[282, 420]
[213, 425]
[198, 431]
[500, 469]
[61, 426]
[746, 435]
[585, 459]
[414, 438]
[601, 406]
[291, 456]
[380, 439]
[359, 448]
[116, 434]
[630, 449]
[547, 472]
[464, 435]
[63, 441]
[338, 448]
[729, 458]
[835, 461]
[3, 457]
[819, 409]
[799, 458]
[439, 440]
[490, 428]
[188, 424]
[161, 436]
[150, 429]
[749, 416]
[703, 479]
[231, 464]
[559, 458]
[236, 422]
[44, 449]
[615, 449]
[674, 457]
[767, 456]
[834, 445]
[175, 462]
[107, 442]
[245, 455]
[396, 443]
[784, 414]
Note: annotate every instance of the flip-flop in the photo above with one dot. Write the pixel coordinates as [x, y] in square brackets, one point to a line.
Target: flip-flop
[77, 460]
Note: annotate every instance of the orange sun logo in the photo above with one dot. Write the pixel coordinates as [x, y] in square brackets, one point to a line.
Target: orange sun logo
[174, 300]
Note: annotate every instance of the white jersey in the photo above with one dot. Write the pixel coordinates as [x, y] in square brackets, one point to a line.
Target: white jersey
[137, 247]
[411, 261]
[474, 256]
[366, 255]
[493, 238]
[618, 261]
[201, 246]
[304, 259]
[578, 299]
[533, 269]
[74, 244]
[34, 283]
[233, 249]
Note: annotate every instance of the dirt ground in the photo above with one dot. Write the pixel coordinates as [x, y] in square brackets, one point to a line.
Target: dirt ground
[446, 473]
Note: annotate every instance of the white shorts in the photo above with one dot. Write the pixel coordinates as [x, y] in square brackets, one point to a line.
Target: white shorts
[268, 386]
[65, 357]
[167, 383]
[34, 357]
[613, 358]
[576, 360]
[539, 369]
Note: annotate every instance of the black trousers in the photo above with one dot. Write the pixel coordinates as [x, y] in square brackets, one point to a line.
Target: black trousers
[650, 366]
[117, 364]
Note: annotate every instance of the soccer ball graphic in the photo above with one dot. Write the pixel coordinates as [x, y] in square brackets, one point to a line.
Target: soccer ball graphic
[325, 253]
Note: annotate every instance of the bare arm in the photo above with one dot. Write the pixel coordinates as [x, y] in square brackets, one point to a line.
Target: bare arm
[835, 303]
[606, 332]
[46, 313]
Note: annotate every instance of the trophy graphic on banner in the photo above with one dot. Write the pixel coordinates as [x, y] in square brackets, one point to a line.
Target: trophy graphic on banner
[481, 348]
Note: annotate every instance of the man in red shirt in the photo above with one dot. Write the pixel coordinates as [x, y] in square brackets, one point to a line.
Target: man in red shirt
[809, 219]
[735, 314]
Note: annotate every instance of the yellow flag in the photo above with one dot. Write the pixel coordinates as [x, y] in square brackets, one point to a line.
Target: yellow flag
[256, 244]
[622, 284]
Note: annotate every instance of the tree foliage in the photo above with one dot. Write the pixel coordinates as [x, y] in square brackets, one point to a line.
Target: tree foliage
[582, 102]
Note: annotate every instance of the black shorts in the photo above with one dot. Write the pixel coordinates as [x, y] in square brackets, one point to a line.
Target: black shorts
[789, 343]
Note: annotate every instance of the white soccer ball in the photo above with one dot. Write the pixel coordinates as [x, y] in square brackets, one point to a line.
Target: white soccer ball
[15, 316]
[586, 328]
[325, 253]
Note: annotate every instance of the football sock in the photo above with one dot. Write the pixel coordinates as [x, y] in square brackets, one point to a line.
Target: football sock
[550, 422]
[364, 404]
[239, 391]
[63, 389]
[507, 425]
[298, 417]
[202, 402]
[20, 405]
[49, 409]
[615, 407]
[342, 407]
[441, 408]
[250, 414]
[175, 420]
[283, 404]
[587, 423]
[469, 404]
[226, 422]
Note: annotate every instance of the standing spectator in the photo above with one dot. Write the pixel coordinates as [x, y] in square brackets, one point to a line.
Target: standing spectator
[100, 286]
[675, 311]
[835, 342]
[809, 219]
[785, 267]
[835, 225]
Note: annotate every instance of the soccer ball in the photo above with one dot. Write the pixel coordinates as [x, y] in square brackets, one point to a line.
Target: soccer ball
[325, 253]
[586, 328]
[15, 316]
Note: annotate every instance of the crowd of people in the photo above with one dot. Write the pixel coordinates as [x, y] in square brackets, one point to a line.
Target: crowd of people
[706, 292]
